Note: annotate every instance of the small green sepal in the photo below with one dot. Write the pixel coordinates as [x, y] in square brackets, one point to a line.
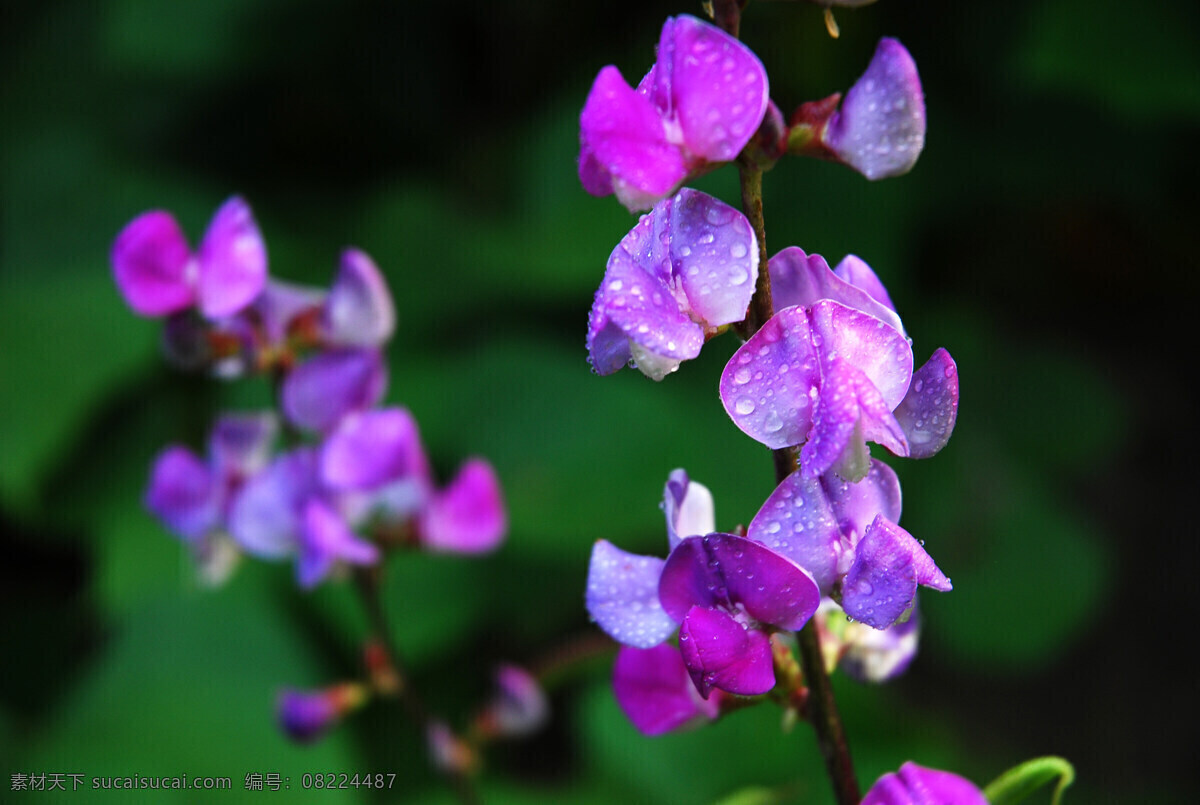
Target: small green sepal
[1020, 781]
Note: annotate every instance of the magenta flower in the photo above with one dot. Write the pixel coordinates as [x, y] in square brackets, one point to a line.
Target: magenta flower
[687, 269]
[158, 274]
[917, 785]
[700, 104]
[845, 535]
[331, 385]
[879, 130]
[655, 690]
[832, 370]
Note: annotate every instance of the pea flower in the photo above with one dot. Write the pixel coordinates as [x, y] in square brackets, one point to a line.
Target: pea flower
[832, 370]
[687, 269]
[518, 706]
[917, 785]
[307, 715]
[845, 535]
[328, 386]
[726, 593]
[700, 104]
[158, 274]
[879, 130]
[191, 495]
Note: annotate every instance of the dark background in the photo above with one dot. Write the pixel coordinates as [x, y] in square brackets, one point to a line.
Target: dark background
[1046, 238]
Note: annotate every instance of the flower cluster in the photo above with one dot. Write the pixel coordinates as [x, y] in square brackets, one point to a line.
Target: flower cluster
[352, 477]
[829, 372]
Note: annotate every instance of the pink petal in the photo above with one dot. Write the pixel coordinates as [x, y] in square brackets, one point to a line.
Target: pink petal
[929, 409]
[801, 279]
[368, 449]
[468, 516]
[721, 653]
[151, 264]
[232, 261]
[718, 87]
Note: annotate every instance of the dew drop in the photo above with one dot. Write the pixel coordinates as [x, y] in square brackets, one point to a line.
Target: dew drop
[744, 406]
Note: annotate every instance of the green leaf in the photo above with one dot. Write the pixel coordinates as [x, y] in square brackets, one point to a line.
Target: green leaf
[1020, 781]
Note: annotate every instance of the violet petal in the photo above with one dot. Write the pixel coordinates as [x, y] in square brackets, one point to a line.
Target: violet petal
[856, 504]
[655, 691]
[325, 538]
[718, 87]
[880, 128]
[368, 449]
[281, 303]
[917, 785]
[713, 253]
[723, 570]
[326, 387]
[802, 279]
[624, 132]
[766, 385]
[240, 444]
[929, 409]
[882, 582]
[798, 521]
[264, 517]
[877, 655]
[854, 270]
[183, 493]
[359, 311]
[850, 412]
[867, 343]
[151, 264]
[721, 653]
[232, 261]
[622, 596]
[468, 516]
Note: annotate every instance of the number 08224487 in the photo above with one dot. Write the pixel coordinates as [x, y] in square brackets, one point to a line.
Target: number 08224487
[346, 780]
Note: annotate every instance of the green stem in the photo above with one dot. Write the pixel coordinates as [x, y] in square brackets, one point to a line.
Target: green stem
[368, 579]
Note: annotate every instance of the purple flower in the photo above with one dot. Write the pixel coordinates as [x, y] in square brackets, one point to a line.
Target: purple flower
[330, 385]
[687, 269]
[845, 535]
[358, 311]
[519, 706]
[306, 715]
[879, 130]
[877, 655]
[700, 103]
[917, 785]
[726, 593]
[191, 495]
[833, 370]
[729, 593]
[655, 690]
[158, 274]
[290, 509]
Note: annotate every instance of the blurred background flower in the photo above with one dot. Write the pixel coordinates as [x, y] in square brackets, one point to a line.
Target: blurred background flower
[1060, 165]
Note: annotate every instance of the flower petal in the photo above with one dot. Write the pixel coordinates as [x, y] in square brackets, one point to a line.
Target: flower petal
[688, 506]
[867, 343]
[888, 566]
[802, 279]
[929, 409]
[633, 307]
[850, 412]
[768, 384]
[854, 270]
[622, 596]
[264, 517]
[799, 522]
[358, 311]
[624, 132]
[325, 538]
[717, 87]
[713, 253]
[721, 653]
[723, 570]
[151, 263]
[326, 387]
[880, 129]
[917, 785]
[240, 444]
[877, 655]
[653, 688]
[367, 449]
[856, 504]
[232, 261]
[468, 516]
[183, 493]
[281, 303]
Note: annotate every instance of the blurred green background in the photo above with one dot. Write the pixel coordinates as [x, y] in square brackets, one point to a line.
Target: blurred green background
[1046, 238]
